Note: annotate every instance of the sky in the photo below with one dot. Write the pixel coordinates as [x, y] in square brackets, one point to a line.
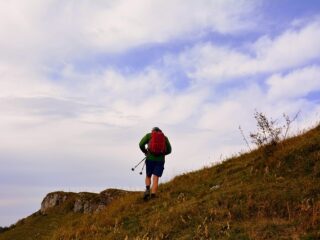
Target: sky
[81, 82]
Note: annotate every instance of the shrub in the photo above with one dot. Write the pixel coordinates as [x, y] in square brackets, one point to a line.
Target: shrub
[269, 132]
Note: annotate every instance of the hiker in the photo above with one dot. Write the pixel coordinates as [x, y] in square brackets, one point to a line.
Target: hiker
[158, 147]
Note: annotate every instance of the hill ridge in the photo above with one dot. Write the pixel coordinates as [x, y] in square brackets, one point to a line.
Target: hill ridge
[270, 193]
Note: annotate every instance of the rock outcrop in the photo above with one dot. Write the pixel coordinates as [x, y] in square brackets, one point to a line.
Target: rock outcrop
[82, 202]
[52, 200]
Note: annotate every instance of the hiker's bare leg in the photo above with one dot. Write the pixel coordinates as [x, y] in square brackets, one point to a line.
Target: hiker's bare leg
[148, 181]
[155, 182]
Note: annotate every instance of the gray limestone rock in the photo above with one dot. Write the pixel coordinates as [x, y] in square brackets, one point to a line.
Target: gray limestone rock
[83, 202]
[52, 200]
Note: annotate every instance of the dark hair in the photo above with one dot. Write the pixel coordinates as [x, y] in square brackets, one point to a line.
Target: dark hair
[156, 129]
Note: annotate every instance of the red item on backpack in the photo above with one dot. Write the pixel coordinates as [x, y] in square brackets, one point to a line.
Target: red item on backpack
[157, 144]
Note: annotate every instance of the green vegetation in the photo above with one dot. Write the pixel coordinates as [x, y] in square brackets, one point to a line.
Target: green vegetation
[270, 193]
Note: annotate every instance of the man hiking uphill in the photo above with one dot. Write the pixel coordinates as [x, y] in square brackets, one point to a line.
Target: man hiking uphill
[158, 147]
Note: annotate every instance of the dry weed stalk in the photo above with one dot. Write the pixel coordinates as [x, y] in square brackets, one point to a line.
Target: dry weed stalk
[268, 131]
[244, 138]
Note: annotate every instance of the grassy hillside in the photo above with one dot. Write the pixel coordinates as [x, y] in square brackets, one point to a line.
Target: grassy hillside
[270, 193]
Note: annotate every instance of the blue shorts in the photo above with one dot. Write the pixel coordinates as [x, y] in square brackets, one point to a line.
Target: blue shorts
[154, 167]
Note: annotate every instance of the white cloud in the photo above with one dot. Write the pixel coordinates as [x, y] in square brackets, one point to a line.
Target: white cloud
[22, 81]
[217, 64]
[292, 48]
[295, 84]
[55, 31]
[231, 111]
[134, 23]
[182, 107]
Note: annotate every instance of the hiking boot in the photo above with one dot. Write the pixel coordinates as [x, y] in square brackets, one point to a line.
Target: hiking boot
[153, 196]
[146, 194]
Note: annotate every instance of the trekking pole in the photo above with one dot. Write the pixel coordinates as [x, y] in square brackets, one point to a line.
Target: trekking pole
[143, 168]
[132, 169]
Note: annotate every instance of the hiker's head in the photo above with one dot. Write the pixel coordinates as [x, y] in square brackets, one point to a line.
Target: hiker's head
[156, 129]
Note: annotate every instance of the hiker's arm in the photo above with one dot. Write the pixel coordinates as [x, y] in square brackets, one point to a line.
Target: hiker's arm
[143, 143]
[169, 149]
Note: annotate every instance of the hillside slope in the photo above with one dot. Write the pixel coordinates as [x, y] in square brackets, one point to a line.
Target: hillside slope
[269, 193]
